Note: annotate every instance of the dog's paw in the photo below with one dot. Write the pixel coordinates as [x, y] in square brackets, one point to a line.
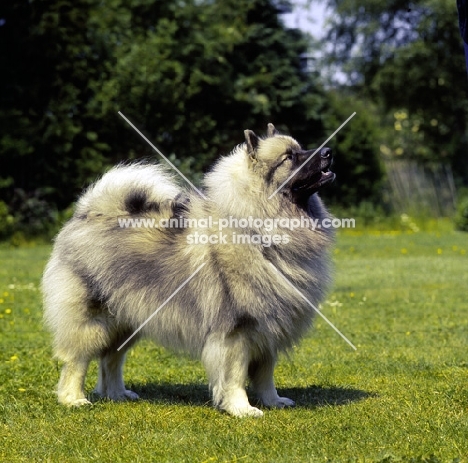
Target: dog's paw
[81, 402]
[253, 412]
[284, 402]
[278, 402]
[69, 402]
[245, 412]
[130, 395]
[118, 395]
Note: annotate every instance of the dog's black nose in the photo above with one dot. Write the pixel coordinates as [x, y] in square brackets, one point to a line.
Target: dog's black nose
[325, 153]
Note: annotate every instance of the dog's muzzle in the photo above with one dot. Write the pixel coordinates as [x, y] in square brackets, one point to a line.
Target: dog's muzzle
[315, 174]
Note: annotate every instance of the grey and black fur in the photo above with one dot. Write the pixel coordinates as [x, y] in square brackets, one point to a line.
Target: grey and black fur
[104, 281]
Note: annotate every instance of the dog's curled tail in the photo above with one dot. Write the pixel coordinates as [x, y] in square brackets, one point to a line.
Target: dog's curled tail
[128, 190]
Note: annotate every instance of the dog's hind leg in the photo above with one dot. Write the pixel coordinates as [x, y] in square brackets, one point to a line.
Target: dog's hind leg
[110, 379]
[226, 359]
[261, 376]
[79, 333]
[77, 348]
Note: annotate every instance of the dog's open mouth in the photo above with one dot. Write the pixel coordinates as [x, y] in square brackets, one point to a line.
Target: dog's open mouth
[313, 183]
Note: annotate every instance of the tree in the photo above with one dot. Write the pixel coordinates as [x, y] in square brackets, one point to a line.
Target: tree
[191, 75]
[52, 64]
[408, 58]
[355, 151]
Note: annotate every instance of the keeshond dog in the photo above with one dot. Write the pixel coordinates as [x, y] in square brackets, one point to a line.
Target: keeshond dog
[235, 304]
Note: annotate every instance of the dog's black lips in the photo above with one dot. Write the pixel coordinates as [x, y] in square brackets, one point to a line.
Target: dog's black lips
[314, 182]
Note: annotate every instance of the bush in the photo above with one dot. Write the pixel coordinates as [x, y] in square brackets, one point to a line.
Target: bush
[33, 215]
[7, 221]
[461, 214]
[366, 214]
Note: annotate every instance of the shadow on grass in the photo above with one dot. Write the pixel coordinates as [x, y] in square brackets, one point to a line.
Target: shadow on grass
[321, 396]
[173, 393]
[198, 394]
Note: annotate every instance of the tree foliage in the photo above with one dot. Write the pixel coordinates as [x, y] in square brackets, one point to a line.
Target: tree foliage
[355, 150]
[191, 75]
[408, 58]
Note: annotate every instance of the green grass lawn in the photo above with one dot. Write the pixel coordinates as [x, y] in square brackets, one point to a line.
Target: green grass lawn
[402, 396]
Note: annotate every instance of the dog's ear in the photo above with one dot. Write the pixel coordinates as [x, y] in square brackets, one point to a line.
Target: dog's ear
[271, 130]
[252, 143]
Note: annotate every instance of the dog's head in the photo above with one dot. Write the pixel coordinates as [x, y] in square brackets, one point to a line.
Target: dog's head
[287, 168]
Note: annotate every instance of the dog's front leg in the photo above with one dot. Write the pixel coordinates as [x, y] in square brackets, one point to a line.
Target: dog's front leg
[226, 359]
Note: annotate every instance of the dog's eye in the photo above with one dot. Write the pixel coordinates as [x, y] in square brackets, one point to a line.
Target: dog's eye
[287, 156]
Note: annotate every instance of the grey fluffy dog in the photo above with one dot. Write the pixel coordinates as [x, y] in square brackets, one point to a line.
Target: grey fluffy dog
[104, 280]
